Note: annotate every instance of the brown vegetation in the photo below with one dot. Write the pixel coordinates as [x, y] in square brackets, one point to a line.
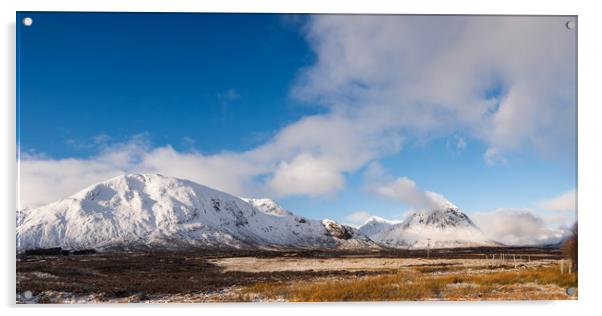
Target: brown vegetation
[570, 248]
[412, 284]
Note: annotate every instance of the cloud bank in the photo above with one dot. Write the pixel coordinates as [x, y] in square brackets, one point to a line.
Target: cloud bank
[518, 227]
[308, 157]
[508, 81]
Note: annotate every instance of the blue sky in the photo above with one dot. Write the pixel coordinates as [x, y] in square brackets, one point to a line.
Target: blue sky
[82, 75]
[303, 109]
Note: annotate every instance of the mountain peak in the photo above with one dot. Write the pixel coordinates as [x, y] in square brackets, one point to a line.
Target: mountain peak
[433, 228]
[441, 218]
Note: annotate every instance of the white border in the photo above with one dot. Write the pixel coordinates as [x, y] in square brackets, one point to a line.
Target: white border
[590, 157]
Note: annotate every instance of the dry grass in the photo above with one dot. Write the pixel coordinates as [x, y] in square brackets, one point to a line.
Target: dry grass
[543, 275]
[416, 284]
[187, 277]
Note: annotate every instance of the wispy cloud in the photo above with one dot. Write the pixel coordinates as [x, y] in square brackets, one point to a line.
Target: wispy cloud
[95, 141]
[566, 202]
[457, 144]
[403, 189]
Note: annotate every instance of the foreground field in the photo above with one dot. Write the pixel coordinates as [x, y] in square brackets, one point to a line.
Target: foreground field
[169, 277]
[433, 283]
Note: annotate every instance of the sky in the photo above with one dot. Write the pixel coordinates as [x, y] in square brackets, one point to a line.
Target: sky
[333, 116]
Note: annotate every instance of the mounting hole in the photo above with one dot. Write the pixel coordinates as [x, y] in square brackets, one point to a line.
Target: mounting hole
[570, 24]
[570, 291]
[27, 21]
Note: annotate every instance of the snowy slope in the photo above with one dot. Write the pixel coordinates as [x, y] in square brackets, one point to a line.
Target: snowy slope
[144, 210]
[267, 206]
[375, 225]
[442, 228]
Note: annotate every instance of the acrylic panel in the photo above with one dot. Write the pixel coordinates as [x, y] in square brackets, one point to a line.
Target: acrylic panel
[205, 157]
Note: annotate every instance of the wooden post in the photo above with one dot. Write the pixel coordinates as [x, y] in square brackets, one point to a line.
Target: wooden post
[562, 266]
[514, 259]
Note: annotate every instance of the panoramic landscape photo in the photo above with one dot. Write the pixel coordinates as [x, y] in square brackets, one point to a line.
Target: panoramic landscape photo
[189, 158]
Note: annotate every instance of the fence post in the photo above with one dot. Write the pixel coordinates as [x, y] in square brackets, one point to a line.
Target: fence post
[562, 266]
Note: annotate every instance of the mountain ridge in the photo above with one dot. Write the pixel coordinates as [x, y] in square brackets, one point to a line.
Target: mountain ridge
[153, 211]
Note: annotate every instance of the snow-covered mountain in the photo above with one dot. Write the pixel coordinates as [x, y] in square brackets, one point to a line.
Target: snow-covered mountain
[441, 228]
[375, 225]
[144, 210]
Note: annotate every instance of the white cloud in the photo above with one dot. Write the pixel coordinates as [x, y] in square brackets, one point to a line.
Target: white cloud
[406, 191]
[403, 189]
[566, 202]
[558, 219]
[430, 76]
[358, 217]
[518, 227]
[305, 175]
[43, 179]
[312, 155]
